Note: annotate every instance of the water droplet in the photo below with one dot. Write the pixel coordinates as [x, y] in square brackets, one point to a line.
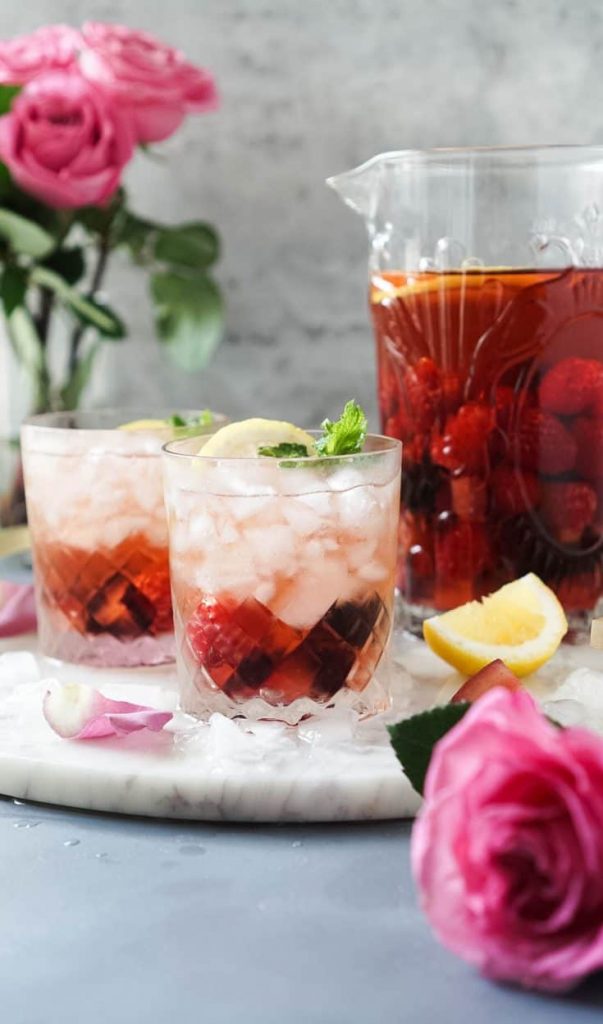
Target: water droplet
[101, 856]
[297, 844]
[26, 824]
[71, 842]
[19, 803]
[193, 849]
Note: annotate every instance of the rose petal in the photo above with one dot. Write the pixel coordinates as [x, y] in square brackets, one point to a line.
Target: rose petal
[79, 712]
[17, 609]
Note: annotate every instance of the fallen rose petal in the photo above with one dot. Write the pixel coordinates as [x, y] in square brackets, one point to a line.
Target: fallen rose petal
[17, 609]
[79, 712]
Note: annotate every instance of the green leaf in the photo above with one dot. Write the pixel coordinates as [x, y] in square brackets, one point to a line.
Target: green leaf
[13, 286]
[89, 311]
[188, 316]
[187, 245]
[414, 738]
[69, 263]
[284, 450]
[7, 95]
[25, 236]
[347, 435]
[72, 391]
[136, 234]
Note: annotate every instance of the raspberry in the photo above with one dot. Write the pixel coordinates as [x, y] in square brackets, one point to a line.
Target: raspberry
[589, 440]
[215, 638]
[503, 406]
[462, 550]
[463, 445]
[462, 553]
[580, 591]
[422, 386]
[513, 491]
[469, 498]
[572, 386]
[567, 509]
[545, 445]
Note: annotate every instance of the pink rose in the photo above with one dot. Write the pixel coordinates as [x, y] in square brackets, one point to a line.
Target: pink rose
[65, 141]
[48, 49]
[152, 80]
[508, 848]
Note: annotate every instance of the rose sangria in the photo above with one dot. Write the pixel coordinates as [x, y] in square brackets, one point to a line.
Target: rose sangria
[283, 568]
[99, 534]
[493, 380]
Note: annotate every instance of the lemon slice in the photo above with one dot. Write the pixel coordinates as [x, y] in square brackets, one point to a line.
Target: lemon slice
[144, 425]
[523, 624]
[242, 439]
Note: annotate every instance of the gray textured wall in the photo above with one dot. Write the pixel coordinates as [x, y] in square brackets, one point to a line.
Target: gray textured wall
[311, 87]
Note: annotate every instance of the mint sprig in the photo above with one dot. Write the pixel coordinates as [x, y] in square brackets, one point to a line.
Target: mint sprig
[204, 419]
[285, 450]
[345, 436]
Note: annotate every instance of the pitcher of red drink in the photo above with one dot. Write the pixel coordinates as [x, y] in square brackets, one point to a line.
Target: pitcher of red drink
[486, 292]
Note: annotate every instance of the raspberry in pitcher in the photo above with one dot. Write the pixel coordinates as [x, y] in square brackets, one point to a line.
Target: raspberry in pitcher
[493, 380]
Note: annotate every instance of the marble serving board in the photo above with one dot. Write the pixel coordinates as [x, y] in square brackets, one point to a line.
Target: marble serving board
[331, 768]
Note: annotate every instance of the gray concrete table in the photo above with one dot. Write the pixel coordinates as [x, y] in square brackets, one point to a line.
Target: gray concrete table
[108, 920]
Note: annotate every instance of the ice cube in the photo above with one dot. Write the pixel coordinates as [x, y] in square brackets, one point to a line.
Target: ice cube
[302, 517]
[313, 592]
[346, 478]
[272, 550]
[321, 503]
[358, 510]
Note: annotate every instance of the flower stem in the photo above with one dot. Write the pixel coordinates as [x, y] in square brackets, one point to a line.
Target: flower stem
[102, 256]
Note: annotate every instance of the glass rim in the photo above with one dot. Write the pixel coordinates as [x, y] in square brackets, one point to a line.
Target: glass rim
[552, 154]
[47, 420]
[386, 445]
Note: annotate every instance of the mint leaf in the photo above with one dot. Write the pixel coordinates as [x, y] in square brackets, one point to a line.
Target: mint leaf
[285, 450]
[191, 424]
[414, 738]
[347, 435]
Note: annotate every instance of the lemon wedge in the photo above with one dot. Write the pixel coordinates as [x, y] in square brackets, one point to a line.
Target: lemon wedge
[144, 425]
[523, 624]
[242, 439]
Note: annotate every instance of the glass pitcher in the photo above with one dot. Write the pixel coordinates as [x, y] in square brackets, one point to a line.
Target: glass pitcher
[486, 292]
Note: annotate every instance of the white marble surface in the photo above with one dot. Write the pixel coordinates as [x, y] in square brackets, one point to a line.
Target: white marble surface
[328, 769]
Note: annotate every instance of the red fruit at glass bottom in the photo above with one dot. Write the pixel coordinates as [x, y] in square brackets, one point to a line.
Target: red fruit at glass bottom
[572, 386]
[543, 444]
[214, 637]
[156, 588]
[494, 674]
[513, 490]
[567, 509]
[588, 434]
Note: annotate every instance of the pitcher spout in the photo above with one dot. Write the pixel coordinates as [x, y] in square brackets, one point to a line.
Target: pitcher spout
[358, 187]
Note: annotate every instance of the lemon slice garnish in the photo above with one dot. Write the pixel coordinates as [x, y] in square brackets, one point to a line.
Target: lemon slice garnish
[242, 439]
[144, 425]
[523, 624]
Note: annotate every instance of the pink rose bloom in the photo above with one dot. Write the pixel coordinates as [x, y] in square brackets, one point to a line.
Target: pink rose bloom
[152, 80]
[48, 49]
[508, 848]
[65, 142]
